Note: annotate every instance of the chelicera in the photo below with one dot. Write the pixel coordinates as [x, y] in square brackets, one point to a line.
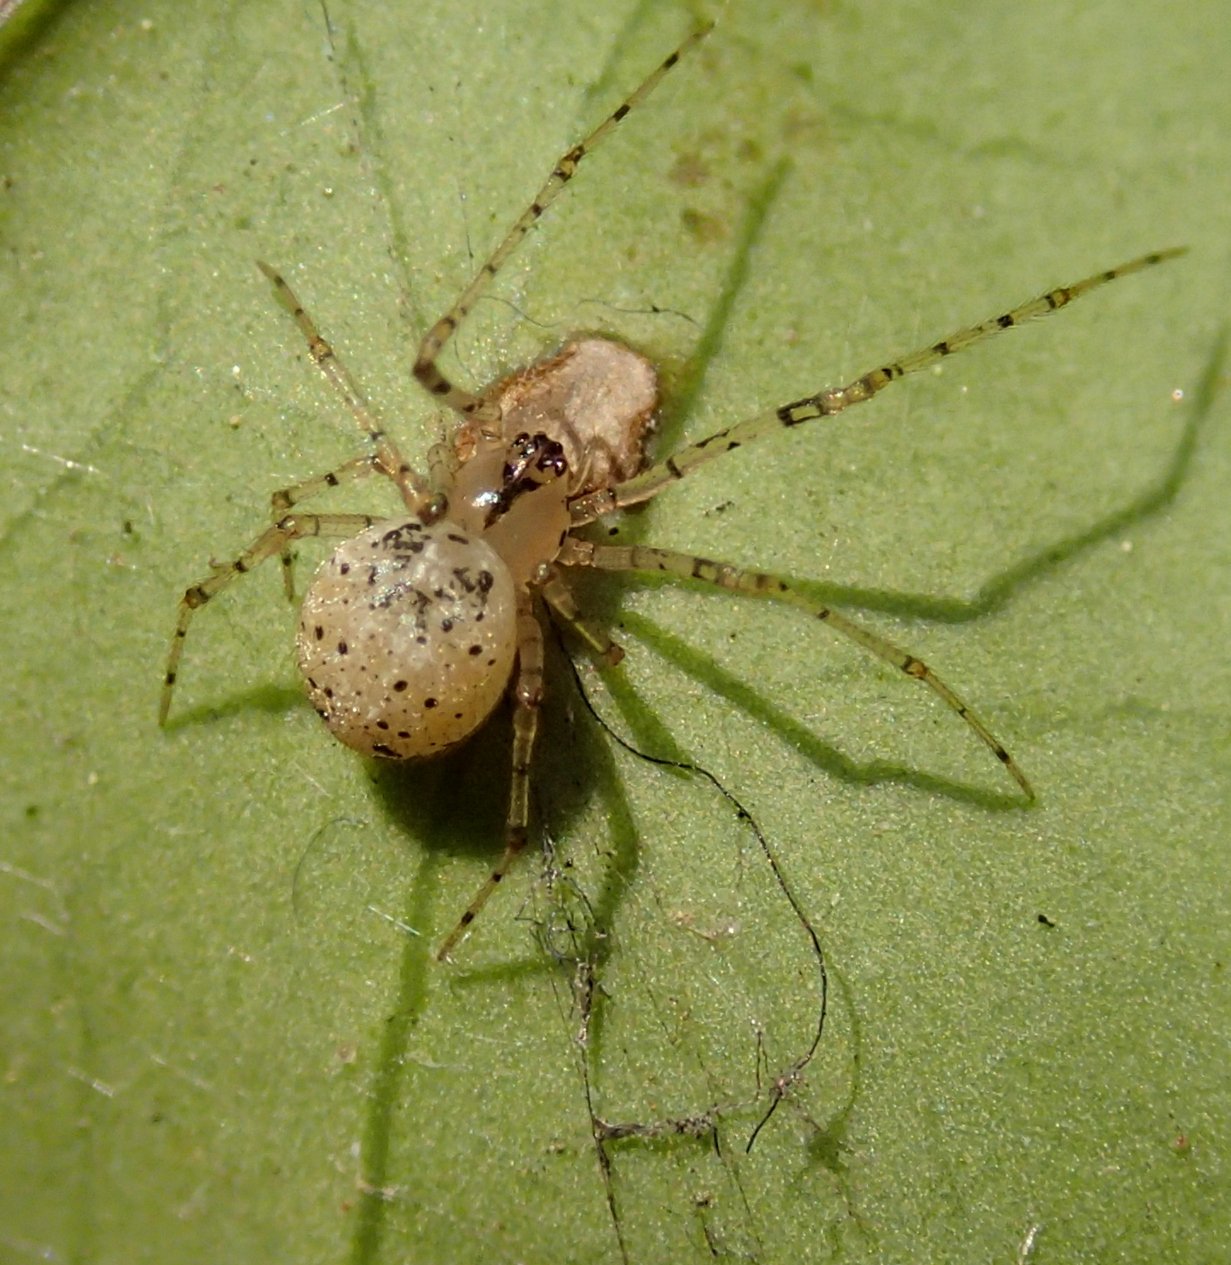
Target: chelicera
[418, 626]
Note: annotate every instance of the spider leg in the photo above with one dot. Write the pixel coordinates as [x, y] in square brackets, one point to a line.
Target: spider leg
[272, 542]
[760, 584]
[280, 502]
[527, 696]
[415, 492]
[558, 596]
[834, 400]
[437, 337]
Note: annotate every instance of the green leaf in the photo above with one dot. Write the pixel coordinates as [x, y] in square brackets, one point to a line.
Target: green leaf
[224, 1036]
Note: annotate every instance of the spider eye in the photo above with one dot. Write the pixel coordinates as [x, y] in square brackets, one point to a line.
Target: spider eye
[528, 457]
[551, 459]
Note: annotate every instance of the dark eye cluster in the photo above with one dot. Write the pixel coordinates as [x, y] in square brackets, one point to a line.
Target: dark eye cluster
[533, 460]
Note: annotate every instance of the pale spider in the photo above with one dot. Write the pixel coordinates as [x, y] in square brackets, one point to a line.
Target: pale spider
[417, 626]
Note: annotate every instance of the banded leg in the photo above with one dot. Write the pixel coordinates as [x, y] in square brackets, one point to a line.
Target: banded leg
[759, 584]
[834, 400]
[558, 596]
[272, 542]
[415, 492]
[437, 337]
[527, 696]
[280, 502]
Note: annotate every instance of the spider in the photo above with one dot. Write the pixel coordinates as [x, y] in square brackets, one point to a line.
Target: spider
[415, 629]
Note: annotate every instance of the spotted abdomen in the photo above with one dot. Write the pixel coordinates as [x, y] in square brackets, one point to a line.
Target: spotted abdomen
[407, 638]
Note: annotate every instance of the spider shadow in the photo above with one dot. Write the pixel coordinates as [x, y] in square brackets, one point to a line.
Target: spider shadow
[992, 597]
[995, 594]
[271, 699]
[456, 805]
[455, 801]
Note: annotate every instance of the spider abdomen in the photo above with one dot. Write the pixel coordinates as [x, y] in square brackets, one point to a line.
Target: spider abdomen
[407, 638]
